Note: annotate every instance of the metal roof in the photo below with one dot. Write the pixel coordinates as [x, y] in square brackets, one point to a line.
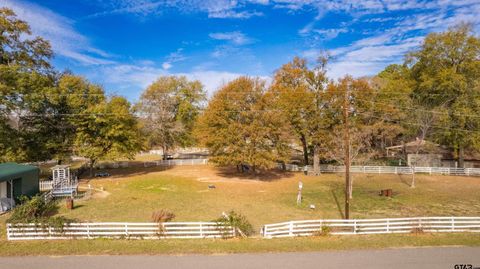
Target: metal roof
[9, 171]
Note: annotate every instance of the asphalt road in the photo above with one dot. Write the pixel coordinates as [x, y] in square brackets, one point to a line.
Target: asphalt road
[371, 259]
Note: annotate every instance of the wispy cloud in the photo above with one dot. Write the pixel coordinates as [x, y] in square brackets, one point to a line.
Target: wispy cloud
[236, 38]
[65, 40]
[135, 78]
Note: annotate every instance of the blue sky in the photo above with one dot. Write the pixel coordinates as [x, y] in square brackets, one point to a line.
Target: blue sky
[125, 44]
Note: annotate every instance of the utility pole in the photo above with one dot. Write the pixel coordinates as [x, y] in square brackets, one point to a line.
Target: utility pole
[346, 142]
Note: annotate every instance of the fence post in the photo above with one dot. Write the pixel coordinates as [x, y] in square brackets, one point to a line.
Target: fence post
[126, 230]
[355, 226]
[290, 229]
[453, 224]
[88, 230]
[201, 230]
[468, 171]
[396, 170]
[388, 225]
[430, 170]
[9, 226]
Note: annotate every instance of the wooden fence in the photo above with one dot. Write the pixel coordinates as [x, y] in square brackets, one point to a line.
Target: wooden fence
[46, 185]
[372, 226]
[390, 170]
[32, 231]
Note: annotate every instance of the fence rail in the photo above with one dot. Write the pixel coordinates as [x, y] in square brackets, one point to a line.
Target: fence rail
[390, 170]
[372, 226]
[46, 185]
[33, 231]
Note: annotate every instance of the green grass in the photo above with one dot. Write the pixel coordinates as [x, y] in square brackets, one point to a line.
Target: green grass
[136, 196]
[133, 194]
[220, 246]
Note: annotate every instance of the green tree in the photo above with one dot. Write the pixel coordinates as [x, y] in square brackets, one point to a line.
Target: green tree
[108, 130]
[239, 127]
[446, 71]
[169, 108]
[298, 92]
[24, 74]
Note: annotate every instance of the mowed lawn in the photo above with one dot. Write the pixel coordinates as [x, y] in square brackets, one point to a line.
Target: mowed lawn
[134, 194]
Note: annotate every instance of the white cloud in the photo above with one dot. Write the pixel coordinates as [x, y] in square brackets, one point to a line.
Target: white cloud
[135, 78]
[60, 32]
[236, 38]
[166, 65]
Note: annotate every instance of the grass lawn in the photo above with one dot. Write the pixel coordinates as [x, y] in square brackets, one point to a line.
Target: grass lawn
[220, 246]
[132, 194]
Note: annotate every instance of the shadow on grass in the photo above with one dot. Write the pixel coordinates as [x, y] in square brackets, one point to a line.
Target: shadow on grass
[134, 169]
[339, 207]
[261, 175]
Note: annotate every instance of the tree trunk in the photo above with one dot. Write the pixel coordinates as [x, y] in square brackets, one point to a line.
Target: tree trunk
[350, 189]
[92, 163]
[305, 149]
[461, 157]
[316, 160]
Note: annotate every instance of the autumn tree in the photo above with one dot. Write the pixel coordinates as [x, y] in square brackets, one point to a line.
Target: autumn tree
[446, 72]
[239, 127]
[108, 130]
[169, 108]
[297, 91]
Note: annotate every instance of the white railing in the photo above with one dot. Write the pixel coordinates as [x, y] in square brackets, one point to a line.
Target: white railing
[32, 231]
[391, 170]
[176, 162]
[372, 226]
[46, 185]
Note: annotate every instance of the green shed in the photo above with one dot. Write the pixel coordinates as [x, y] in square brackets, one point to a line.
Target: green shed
[18, 179]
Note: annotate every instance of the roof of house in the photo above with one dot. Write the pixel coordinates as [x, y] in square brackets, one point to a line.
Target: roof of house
[9, 171]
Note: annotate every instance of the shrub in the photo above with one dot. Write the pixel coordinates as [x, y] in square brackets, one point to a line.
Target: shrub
[161, 216]
[36, 210]
[237, 221]
[324, 231]
[32, 210]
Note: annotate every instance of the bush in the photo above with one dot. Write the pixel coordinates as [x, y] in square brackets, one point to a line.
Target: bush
[324, 231]
[36, 210]
[32, 210]
[162, 216]
[237, 221]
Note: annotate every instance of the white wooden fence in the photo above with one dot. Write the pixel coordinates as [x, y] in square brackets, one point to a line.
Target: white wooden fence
[372, 226]
[391, 170]
[32, 231]
[46, 185]
[176, 162]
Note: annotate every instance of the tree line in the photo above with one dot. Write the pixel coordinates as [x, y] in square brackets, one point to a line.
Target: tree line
[248, 123]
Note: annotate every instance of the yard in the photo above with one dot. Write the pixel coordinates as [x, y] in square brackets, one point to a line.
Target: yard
[133, 194]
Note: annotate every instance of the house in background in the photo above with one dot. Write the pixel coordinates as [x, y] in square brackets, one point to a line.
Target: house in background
[17, 180]
[430, 155]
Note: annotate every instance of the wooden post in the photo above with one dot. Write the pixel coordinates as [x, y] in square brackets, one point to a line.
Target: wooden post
[347, 153]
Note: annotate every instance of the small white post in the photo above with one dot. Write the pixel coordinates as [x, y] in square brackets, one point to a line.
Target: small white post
[88, 231]
[126, 230]
[453, 224]
[290, 229]
[396, 170]
[430, 170]
[354, 226]
[201, 230]
[9, 226]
